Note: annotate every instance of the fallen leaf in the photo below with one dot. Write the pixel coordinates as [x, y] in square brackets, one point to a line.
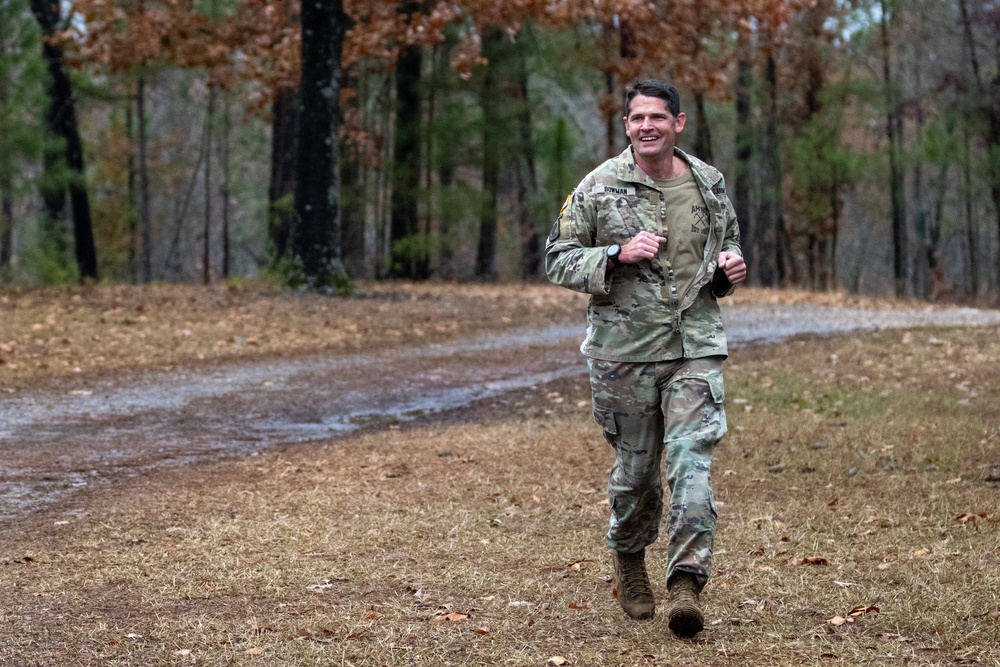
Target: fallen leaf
[833, 503]
[839, 620]
[884, 566]
[482, 631]
[256, 650]
[578, 605]
[183, 652]
[557, 660]
[814, 560]
[862, 609]
[920, 553]
[968, 516]
[451, 616]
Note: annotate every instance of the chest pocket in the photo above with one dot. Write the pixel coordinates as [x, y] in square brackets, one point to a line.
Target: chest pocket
[638, 212]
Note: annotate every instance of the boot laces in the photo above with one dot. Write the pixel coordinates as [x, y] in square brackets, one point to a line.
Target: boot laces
[635, 581]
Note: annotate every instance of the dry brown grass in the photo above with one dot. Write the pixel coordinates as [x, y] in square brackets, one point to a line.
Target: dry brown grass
[57, 331]
[872, 456]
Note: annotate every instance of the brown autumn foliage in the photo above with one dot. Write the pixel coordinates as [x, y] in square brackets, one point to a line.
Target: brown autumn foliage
[683, 36]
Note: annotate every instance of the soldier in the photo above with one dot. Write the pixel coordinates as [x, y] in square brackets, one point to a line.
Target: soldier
[652, 236]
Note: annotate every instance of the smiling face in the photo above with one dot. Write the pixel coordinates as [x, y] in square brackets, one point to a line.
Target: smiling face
[653, 131]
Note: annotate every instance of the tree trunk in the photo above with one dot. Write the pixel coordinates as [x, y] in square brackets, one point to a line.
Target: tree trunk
[772, 261]
[284, 171]
[145, 216]
[987, 109]
[6, 231]
[206, 250]
[899, 236]
[352, 216]
[612, 53]
[490, 102]
[408, 253]
[133, 221]
[62, 122]
[834, 231]
[317, 232]
[744, 156]
[921, 217]
[224, 187]
[935, 271]
[527, 178]
[703, 132]
[970, 222]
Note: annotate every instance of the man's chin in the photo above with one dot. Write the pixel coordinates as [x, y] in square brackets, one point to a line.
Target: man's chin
[650, 151]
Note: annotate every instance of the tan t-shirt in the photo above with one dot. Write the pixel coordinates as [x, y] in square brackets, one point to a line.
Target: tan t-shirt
[687, 229]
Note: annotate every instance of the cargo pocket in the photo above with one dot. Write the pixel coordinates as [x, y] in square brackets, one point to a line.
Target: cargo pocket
[716, 386]
[605, 418]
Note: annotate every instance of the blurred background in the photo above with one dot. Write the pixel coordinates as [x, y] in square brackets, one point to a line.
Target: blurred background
[148, 140]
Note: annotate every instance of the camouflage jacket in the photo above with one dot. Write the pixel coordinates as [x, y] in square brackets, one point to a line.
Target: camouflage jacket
[636, 313]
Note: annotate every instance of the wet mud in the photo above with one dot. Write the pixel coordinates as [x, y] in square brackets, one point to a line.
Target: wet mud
[57, 440]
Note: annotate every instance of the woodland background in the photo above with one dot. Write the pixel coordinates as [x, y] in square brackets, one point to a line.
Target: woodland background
[208, 140]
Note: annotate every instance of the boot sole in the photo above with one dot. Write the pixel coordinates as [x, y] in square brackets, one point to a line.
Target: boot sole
[686, 621]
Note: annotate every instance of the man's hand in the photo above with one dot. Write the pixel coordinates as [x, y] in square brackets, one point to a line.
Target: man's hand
[644, 245]
[732, 265]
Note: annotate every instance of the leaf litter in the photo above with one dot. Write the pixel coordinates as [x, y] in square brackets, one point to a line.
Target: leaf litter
[240, 558]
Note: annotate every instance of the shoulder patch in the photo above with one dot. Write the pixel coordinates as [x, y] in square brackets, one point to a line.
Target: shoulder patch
[569, 198]
[554, 234]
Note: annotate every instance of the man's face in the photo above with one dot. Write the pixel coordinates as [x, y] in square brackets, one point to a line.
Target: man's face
[652, 128]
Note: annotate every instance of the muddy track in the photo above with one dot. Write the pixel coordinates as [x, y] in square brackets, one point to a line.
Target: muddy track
[56, 441]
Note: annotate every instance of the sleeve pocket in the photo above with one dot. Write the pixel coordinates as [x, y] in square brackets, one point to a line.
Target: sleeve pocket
[605, 418]
[717, 388]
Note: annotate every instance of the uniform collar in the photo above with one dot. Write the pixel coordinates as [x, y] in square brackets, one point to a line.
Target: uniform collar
[630, 172]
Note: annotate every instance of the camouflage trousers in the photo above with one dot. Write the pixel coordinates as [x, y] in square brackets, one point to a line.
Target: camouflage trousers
[646, 409]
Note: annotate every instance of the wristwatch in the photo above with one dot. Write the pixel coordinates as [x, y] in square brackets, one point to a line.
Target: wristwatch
[612, 252]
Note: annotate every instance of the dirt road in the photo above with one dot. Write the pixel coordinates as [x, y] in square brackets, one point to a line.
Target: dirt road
[59, 439]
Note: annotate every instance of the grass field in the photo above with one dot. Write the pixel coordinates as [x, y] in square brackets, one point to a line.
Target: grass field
[858, 487]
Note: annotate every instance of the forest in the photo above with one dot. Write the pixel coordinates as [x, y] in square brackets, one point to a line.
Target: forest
[315, 144]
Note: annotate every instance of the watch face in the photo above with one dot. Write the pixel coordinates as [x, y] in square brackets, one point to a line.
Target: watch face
[614, 250]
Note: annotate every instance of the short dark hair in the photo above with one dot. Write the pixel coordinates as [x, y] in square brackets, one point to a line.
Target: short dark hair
[654, 88]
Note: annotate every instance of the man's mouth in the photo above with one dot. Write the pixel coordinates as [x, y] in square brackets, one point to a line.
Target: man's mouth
[647, 139]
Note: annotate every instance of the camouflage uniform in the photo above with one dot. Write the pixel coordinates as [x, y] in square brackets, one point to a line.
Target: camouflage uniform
[655, 350]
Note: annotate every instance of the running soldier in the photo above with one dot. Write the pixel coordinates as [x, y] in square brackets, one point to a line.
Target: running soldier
[652, 236]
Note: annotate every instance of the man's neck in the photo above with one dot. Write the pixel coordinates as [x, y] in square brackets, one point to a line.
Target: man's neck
[662, 169]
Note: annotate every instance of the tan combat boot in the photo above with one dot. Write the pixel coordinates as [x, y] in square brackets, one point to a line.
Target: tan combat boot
[635, 595]
[686, 618]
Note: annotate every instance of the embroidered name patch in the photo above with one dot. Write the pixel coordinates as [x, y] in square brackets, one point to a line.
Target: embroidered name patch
[611, 190]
